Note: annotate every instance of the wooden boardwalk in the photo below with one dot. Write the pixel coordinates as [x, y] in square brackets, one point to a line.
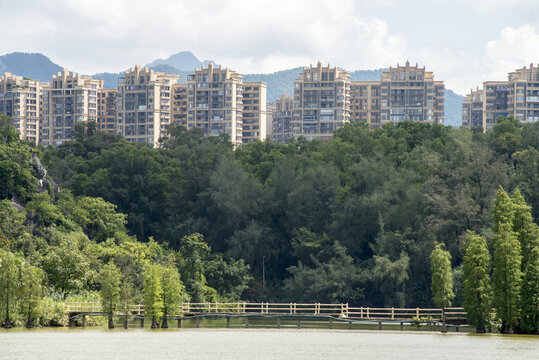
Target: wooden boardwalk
[337, 311]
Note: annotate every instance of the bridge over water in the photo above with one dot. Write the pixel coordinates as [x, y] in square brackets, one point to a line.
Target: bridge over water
[286, 311]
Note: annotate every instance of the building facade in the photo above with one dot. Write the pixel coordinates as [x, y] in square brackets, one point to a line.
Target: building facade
[321, 102]
[254, 112]
[282, 119]
[523, 94]
[215, 102]
[106, 110]
[70, 99]
[365, 100]
[20, 99]
[144, 104]
[409, 93]
[179, 104]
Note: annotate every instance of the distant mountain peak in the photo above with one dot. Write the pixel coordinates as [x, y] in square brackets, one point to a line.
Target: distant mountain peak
[33, 65]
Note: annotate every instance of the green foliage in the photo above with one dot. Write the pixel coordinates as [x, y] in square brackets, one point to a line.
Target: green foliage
[153, 293]
[477, 284]
[173, 292]
[9, 287]
[442, 277]
[110, 278]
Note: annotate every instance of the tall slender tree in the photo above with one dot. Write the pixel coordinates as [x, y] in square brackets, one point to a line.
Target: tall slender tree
[442, 277]
[110, 277]
[31, 292]
[153, 294]
[172, 292]
[9, 277]
[477, 284]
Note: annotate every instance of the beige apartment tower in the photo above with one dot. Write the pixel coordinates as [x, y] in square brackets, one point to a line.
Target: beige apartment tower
[70, 99]
[144, 104]
[282, 119]
[215, 102]
[106, 110]
[365, 100]
[179, 104]
[254, 112]
[321, 102]
[20, 99]
[517, 97]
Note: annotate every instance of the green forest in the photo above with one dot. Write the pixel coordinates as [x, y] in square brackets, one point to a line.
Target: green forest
[357, 219]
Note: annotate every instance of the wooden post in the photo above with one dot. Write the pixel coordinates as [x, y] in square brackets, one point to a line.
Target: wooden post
[246, 322]
[379, 325]
[299, 322]
[83, 320]
[457, 328]
[197, 322]
[417, 313]
[361, 312]
[444, 327]
[141, 322]
[179, 323]
[227, 322]
[278, 322]
[402, 326]
[392, 313]
[290, 308]
[368, 317]
[331, 323]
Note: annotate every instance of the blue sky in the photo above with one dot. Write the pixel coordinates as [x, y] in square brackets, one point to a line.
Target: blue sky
[464, 42]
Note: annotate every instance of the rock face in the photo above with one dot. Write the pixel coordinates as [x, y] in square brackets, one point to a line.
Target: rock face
[41, 174]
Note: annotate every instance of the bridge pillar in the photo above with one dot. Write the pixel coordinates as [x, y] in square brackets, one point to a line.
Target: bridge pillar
[299, 323]
[179, 322]
[83, 320]
[227, 322]
[246, 322]
[457, 328]
[350, 325]
[197, 322]
[402, 326]
[278, 322]
[141, 322]
[125, 323]
[331, 323]
[379, 325]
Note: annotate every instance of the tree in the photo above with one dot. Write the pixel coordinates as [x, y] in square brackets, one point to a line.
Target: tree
[9, 277]
[110, 278]
[31, 292]
[442, 278]
[507, 276]
[153, 294]
[124, 304]
[477, 284]
[172, 291]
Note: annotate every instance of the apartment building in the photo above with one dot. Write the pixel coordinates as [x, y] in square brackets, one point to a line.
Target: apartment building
[409, 93]
[282, 119]
[106, 110]
[321, 101]
[215, 102]
[254, 112]
[179, 104]
[144, 104]
[70, 99]
[523, 94]
[365, 101]
[270, 110]
[20, 99]
[472, 109]
[517, 97]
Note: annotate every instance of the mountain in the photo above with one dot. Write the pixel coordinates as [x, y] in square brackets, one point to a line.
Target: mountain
[31, 65]
[184, 60]
[453, 108]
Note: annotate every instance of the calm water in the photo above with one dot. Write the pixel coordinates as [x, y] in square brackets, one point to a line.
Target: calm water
[238, 344]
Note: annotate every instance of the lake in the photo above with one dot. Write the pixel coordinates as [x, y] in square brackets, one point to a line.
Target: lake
[238, 344]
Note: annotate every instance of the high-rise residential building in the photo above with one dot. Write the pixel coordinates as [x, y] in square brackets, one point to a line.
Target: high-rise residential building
[20, 98]
[523, 97]
[321, 102]
[179, 104]
[270, 109]
[472, 109]
[254, 112]
[144, 104]
[409, 93]
[215, 102]
[70, 99]
[282, 119]
[365, 100]
[517, 97]
[106, 110]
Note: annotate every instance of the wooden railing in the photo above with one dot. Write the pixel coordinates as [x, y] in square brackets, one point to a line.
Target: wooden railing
[265, 308]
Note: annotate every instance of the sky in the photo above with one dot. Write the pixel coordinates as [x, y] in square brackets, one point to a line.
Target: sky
[464, 42]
